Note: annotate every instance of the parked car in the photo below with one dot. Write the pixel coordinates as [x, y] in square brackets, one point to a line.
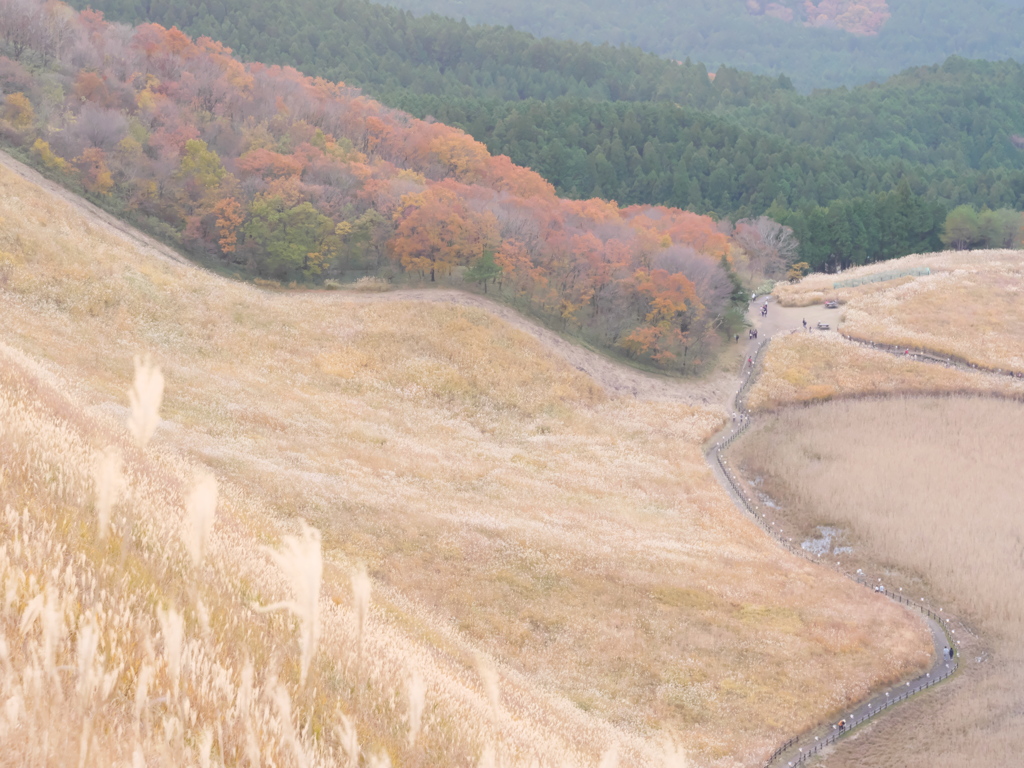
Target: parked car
[823, 326]
[832, 304]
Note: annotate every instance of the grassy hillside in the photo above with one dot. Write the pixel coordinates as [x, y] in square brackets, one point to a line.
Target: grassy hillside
[969, 305]
[503, 504]
[811, 367]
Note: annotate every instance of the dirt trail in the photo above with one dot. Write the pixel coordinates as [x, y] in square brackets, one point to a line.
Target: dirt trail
[716, 389]
[617, 378]
[96, 215]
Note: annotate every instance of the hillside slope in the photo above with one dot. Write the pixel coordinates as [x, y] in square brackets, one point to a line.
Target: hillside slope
[502, 501]
[261, 170]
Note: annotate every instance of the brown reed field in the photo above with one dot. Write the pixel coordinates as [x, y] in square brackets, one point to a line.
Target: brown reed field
[927, 493]
[556, 577]
[813, 367]
[970, 306]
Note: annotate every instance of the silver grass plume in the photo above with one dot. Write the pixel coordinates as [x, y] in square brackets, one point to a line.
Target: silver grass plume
[610, 759]
[417, 699]
[489, 676]
[106, 475]
[202, 508]
[361, 597]
[345, 733]
[205, 747]
[172, 628]
[673, 754]
[301, 561]
[144, 397]
[488, 758]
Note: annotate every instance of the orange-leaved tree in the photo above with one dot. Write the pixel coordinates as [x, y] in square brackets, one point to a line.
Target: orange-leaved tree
[92, 164]
[669, 304]
[230, 217]
[437, 231]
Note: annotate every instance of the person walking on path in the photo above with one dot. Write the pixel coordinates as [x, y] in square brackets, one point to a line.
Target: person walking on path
[805, 323]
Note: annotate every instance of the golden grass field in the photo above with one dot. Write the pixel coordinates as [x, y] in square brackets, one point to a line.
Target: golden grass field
[927, 492]
[970, 306]
[810, 367]
[505, 506]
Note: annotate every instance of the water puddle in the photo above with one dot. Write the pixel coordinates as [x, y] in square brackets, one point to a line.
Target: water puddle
[822, 545]
[826, 542]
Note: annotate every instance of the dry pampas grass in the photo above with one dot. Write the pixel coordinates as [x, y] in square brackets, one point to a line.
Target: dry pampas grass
[504, 503]
[145, 395]
[201, 505]
[301, 562]
[926, 493]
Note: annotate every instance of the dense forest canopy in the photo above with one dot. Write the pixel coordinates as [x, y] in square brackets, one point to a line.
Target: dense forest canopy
[817, 43]
[267, 171]
[620, 124]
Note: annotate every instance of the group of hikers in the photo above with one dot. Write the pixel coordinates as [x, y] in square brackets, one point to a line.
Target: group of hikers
[764, 307]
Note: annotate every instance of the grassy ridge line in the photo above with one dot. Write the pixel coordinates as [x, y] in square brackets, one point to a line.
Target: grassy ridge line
[614, 374]
[278, 175]
[90, 210]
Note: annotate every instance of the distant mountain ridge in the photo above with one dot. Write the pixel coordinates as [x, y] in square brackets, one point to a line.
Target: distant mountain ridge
[819, 44]
[858, 17]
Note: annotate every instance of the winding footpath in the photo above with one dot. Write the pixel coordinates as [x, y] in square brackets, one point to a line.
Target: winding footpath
[802, 747]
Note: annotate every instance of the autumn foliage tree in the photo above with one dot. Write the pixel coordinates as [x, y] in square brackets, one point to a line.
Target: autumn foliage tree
[92, 165]
[229, 219]
[436, 232]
